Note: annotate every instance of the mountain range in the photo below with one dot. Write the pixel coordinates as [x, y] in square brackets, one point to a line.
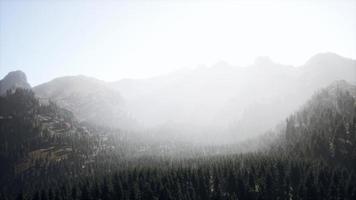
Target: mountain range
[57, 140]
[241, 101]
[238, 102]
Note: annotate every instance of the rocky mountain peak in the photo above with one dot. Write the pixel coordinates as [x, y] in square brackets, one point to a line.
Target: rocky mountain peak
[13, 80]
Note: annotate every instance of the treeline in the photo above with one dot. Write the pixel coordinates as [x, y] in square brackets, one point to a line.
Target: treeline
[39, 142]
[250, 176]
[324, 129]
[313, 156]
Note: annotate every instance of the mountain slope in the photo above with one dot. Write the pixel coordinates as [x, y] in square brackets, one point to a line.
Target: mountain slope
[214, 96]
[89, 100]
[51, 152]
[13, 80]
[325, 128]
[314, 159]
[38, 138]
[241, 102]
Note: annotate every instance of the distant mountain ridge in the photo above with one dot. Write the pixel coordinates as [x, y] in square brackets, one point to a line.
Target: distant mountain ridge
[238, 101]
[242, 100]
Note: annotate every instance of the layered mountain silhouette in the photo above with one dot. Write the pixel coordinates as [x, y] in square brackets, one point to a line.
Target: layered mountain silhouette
[311, 154]
[318, 72]
[38, 136]
[238, 102]
[244, 100]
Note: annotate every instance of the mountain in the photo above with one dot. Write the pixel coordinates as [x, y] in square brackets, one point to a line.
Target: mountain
[324, 128]
[46, 154]
[44, 143]
[199, 96]
[238, 102]
[34, 137]
[89, 99]
[13, 80]
[222, 103]
[318, 72]
[324, 68]
[45, 151]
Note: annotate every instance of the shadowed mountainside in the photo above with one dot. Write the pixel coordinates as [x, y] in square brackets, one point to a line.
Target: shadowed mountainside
[89, 99]
[13, 80]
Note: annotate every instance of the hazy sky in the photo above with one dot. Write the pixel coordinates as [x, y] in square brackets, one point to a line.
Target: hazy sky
[111, 40]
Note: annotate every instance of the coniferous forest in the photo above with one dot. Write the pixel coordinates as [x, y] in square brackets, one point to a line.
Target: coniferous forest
[47, 154]
[177, 100]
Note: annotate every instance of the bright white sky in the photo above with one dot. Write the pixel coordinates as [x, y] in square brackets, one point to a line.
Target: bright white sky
[111, 40]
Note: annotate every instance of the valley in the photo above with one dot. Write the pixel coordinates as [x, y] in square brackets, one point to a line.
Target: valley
[76, 138]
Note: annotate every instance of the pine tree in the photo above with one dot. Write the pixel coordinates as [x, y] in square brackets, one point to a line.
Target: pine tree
[165, 195]
[311, 190]
[74, 193]
[84, 193]
[44, 195]
[117, 188]
[36, 196]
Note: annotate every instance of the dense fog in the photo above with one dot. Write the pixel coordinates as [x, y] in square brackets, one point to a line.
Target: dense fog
[215, 104]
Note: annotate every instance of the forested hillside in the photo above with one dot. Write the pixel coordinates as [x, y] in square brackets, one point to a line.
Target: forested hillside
[47, 154]
[325, 128]
[41, 143]
[177, 100]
